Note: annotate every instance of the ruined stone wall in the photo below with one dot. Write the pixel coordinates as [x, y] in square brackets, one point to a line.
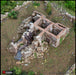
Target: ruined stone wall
[38, 34]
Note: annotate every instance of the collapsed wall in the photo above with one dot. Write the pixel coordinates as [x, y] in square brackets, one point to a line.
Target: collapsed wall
[37, 32]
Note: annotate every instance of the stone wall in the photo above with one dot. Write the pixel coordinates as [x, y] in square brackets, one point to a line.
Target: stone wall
[41, 32]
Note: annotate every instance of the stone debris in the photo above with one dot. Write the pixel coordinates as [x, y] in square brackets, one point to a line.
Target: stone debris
[38, 33]
[18, 62]
[26, 64]
[70, 70]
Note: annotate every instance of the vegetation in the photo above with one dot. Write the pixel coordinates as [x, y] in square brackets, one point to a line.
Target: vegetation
[31, 73]
[51, 60]
[61, 39]
[43, 41]
[48, 9]
[36, 4]
[70, 5]
[13, 14]
[35, 54]
[73, 73]
[67, 5]
[7, 6]
[41, 74]
[74, 26]
[21, 44]
[18, 71]
[54, 19]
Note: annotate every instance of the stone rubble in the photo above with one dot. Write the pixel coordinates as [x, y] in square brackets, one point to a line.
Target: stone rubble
[70, 70]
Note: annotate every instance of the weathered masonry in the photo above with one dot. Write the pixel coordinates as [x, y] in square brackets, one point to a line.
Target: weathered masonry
[38, 30]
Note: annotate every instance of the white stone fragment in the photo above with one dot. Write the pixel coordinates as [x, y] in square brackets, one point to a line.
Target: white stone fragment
[26, 64]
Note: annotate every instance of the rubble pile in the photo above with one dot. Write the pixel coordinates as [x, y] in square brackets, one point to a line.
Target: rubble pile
[37, 32]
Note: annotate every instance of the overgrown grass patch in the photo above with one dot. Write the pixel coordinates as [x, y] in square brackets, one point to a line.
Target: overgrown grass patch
[51, 61]
[70, 5]
[61, 39]
[18, 71]
[74, 27]
[20, 2]
[35, 55]
[48, 9]
[36, 4]
[57, 19]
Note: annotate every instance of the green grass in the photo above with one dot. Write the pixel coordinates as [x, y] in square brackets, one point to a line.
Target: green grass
[61, 39]
[70, 5]
[74, 27]
[20, 2]
[35, 55]
[6, 60]
[36, 4]
[18, 71]
[31, 73]
[51, 61]
[48, 9]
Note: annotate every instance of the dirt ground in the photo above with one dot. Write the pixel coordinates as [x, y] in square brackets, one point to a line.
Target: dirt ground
[56, 60]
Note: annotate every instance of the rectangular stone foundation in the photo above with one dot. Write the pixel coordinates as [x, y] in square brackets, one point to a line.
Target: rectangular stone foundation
[43, 30]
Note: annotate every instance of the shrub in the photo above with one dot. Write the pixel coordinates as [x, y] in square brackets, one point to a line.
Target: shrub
[36, 4]
[3, 3]
[24, 73]
[31, 73]
[48, 9]
[13, 14]
[6, 6]
[70, 5]
[16, 71]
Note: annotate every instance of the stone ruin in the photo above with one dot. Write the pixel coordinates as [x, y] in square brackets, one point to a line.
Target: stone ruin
[37, 32]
